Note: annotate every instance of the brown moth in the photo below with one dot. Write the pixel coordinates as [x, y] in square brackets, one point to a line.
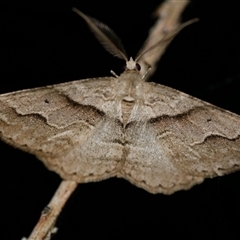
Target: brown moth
[158, 138]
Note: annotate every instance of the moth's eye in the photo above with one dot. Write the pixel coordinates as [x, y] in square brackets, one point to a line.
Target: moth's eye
[138, 67]
[124, 67]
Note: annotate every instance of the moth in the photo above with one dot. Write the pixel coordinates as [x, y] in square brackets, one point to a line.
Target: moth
[156, 137]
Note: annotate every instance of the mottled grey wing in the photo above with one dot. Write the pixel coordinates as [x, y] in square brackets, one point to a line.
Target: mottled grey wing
[65, 126]
[183, 141]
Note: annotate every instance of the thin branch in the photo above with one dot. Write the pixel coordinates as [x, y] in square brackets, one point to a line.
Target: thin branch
[45, 225]
[168, 14]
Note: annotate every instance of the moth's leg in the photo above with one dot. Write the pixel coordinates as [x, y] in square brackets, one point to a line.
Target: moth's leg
[114, 74]
[147, 71]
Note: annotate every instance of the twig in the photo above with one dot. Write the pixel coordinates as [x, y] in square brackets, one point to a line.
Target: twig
[168, 14]
[45, 225]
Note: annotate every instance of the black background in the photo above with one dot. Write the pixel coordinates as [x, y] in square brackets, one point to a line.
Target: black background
[44, 43]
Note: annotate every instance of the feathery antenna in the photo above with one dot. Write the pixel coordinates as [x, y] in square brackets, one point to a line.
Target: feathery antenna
[105, 35]
[163, 42]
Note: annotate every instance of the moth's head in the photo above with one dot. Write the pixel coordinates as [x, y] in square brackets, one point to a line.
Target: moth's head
[132, 65]
[113, 44]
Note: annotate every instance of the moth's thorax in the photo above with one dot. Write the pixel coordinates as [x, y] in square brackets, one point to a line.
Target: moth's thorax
[129, 82]
[128, 86]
